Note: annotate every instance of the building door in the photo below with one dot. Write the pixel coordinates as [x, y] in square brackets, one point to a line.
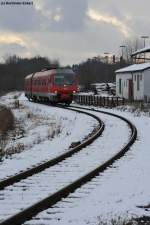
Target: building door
[130, 89]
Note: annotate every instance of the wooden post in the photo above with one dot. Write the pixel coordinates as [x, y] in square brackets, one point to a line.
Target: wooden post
[107, 101]
[123, 101]
[85, 99]
[117, 101]
[96, 100]
[100, 101]
[112, 102]
[88, 97]
[104, 101]
[90, 100]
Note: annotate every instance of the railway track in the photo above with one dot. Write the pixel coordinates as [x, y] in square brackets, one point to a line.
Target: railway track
[60, 186]
[22, 175]
[4, 184]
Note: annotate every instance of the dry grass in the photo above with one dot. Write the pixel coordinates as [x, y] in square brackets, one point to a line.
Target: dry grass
[6, 121]
[6, 124]
[145, 220]
[11, 144]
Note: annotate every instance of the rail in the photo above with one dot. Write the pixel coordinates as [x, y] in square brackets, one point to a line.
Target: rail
[22, 175]
[31, 211]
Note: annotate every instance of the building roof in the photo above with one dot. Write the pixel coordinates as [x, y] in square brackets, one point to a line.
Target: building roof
[134, 68]
[143, 50]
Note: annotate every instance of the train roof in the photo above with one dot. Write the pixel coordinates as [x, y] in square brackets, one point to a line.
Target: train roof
[46, 72]
[53, 71]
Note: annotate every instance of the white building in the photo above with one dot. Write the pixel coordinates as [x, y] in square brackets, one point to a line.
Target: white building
[133, 82]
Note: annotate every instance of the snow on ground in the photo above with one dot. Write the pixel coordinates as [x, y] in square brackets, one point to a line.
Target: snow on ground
[119, 191]
[116, 193]
[100, 93]
[49, 131]
[62, 174]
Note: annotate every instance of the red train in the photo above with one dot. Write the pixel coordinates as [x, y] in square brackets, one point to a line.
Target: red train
[52, 85]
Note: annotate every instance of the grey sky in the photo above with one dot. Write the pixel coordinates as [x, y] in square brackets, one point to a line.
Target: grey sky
[71, 30]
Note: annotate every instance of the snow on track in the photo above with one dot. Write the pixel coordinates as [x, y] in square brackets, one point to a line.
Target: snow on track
[39, 186]
[116, 193]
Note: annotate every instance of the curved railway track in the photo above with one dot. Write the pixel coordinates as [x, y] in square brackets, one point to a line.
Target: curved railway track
[65, 190]
[22, 175]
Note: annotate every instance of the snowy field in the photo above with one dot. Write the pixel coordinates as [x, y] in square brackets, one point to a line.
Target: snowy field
[119, 191]
[48, 131]
[39, 186]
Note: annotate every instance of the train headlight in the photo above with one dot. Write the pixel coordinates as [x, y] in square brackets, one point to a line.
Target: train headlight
[55, 92]
[74, 92]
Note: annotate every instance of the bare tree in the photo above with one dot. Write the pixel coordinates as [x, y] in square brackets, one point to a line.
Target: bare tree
[131, 46]
[13, 71]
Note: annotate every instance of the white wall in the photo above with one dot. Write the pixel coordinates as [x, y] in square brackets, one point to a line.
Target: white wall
[124, 84]
[143, 83]
[138, 94]
[147, 83]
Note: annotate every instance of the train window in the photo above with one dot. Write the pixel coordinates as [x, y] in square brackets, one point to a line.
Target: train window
[62, 79]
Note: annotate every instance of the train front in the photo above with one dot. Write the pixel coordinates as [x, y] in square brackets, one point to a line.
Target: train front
[65, 85]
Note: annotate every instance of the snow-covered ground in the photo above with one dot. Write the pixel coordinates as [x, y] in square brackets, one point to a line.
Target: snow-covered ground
[117, 192]
[121, 189]
[49, 131]
[100, 93]
[39, 186]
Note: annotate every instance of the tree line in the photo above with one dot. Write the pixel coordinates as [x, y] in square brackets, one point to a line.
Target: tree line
[14, 69]
[92, 70]
[97, 70]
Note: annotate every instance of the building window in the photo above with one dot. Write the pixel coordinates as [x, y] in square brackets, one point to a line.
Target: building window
[141, 77]
[138, 82]
[119, 86]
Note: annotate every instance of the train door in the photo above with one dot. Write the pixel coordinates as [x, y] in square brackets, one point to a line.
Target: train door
[130, 89]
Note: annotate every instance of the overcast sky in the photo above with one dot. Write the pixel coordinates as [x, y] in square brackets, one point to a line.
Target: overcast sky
[71, 30]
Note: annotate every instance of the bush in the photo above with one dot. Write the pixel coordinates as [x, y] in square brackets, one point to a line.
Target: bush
[6, 121]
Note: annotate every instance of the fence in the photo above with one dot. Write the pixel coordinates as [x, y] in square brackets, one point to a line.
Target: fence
[99, 100]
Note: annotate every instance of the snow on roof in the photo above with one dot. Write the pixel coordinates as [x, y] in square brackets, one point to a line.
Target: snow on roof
[146, 49]
[134, 68]
[29, 76]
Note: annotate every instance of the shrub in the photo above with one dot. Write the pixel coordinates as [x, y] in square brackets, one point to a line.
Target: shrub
[6, 121]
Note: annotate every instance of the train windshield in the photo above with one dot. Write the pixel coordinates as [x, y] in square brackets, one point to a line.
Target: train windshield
[64, 79]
